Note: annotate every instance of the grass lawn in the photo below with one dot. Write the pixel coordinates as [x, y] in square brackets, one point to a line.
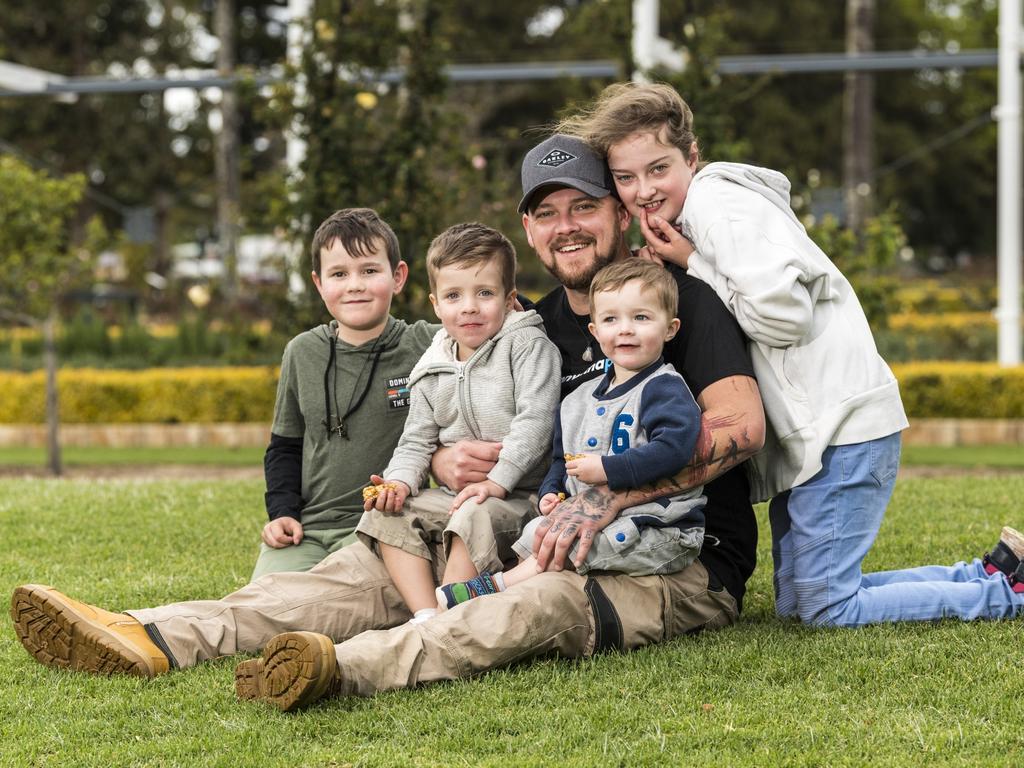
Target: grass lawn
[761, 693]
[78, 457]
[983, 456]
[994, 456]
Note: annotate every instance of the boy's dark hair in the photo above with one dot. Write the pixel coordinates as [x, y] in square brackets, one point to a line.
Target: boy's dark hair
[653, 277]
[464, 245]
[360, 231]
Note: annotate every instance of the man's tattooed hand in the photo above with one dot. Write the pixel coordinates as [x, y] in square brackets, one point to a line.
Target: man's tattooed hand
[575, 520]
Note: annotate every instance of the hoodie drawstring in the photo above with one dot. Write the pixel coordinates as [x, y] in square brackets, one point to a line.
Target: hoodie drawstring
[340, 427]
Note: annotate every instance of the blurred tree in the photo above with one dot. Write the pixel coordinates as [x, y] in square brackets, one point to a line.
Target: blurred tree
[444, 152]
[251, 37]
[392, 149]
[120, 142]
[858, 116]
[38, 263]
[226, 151]
[132, 149]
[866, 260]
[934, 143]
[261, 29]
[500, 121]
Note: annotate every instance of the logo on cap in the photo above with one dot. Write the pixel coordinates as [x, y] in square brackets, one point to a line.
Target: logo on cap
[556, 157]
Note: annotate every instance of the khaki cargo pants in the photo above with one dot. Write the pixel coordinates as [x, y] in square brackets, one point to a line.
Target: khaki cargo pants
[488, 529]
[350, 598]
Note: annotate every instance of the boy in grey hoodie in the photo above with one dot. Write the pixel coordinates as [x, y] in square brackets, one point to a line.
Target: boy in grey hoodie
[490, 374]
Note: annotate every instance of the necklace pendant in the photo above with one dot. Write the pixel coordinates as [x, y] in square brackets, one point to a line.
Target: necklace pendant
[588, 356]
[343, 430]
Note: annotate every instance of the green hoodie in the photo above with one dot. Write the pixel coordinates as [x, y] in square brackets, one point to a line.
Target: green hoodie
[335, 468]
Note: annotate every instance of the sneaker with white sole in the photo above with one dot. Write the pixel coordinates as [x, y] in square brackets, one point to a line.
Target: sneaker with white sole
[1007, 554]
[1016, 579]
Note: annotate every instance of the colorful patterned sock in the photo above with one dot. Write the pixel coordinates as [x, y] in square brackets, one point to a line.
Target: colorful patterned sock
[450, 595]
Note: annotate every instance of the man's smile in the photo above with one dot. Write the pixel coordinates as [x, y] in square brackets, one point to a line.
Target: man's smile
[571, 247]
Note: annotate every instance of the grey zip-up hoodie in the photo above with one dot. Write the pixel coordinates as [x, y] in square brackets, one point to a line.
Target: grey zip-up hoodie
[821, 378]
[506, 392]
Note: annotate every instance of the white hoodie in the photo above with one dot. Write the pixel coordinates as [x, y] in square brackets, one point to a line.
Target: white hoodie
[821, 378]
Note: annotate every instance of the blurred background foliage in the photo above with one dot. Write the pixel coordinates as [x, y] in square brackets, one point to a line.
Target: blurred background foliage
[429, 152]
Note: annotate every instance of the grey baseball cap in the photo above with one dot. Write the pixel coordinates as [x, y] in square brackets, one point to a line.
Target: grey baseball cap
[564, 161]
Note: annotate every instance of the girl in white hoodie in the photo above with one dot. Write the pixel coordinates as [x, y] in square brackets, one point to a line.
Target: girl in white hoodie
[833, 406]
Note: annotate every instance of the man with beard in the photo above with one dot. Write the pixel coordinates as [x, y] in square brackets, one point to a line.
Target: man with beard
[575, 225]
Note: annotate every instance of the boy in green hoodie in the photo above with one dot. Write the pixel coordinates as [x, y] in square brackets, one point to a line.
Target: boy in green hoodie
[342, 397]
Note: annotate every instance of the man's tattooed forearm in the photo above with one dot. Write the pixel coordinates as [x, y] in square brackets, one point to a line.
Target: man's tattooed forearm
[709, 459]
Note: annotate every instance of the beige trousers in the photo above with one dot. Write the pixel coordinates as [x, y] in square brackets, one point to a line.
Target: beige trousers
[350, 598]
[563, 612]
[347, 593]
[488, 529]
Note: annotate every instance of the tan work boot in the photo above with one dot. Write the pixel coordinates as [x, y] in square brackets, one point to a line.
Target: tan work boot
[247, 679]
[61, 632]
[297, 669]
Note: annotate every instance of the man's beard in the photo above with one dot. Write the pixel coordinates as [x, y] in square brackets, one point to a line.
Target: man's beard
[579, 281]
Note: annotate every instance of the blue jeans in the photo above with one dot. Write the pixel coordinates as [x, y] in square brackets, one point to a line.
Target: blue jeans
[823, 529]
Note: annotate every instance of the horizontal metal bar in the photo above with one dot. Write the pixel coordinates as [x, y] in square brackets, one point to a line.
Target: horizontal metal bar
[87, 85]
[470, 73]
[459, 73]
[864, 62]
[547, 70]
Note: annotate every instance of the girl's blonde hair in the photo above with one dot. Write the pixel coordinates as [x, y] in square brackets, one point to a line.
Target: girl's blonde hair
[623, 109]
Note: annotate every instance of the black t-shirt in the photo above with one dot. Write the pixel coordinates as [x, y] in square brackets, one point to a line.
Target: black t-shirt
[710, 346]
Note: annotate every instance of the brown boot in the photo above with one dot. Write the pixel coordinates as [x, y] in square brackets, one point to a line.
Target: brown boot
[61, 632]
[297, 669]
[247, 679]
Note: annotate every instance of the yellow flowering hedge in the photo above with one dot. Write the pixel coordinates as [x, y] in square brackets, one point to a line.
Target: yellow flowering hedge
[156, 395]
[209, 395]
[944, 321]
[927, 296]
[156, 330]
[961, 390]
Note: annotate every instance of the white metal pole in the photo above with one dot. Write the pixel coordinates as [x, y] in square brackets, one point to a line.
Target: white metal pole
[299, 12]
[298, 17]
[1008, 230]
[645, 38]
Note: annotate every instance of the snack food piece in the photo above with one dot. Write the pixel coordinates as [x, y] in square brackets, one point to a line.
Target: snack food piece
[373, 491]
